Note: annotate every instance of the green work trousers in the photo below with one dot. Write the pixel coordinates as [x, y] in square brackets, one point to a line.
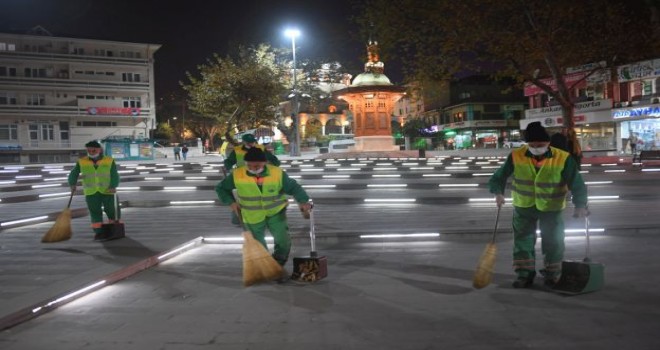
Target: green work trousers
[551, 225]
[279, 228]
[97, 203]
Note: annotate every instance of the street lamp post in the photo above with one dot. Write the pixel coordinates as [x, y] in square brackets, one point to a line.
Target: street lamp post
[295, 150]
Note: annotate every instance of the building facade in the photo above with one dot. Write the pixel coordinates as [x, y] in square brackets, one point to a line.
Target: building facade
[613, 106]
[57, 93]
[472, 112]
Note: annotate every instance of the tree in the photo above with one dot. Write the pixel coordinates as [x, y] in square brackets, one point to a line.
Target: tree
[236, 92]
[164, 132]
[526, 40]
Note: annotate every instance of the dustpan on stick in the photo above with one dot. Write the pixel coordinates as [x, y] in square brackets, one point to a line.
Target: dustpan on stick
[579, 277]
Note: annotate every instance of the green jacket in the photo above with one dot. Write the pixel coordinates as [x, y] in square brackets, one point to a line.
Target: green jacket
[78, 169]
[233, 160]
[289, 186]
[569, 174]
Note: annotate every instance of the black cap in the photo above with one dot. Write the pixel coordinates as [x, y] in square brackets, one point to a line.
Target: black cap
[255, 154]
[93, 144]
[536, 132]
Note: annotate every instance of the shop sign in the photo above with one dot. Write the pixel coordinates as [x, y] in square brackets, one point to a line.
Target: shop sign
[653, 111]
[580, 107]
[639, 70]
[113, 111]
[489, 123]
[531, 89]
[586, 67]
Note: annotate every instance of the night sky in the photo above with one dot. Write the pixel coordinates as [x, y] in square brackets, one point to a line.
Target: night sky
[191, 31]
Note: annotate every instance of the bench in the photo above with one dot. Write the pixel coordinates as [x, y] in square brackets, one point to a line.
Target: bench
[646, 155]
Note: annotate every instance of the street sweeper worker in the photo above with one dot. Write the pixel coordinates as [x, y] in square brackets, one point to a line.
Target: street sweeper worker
[100, 180]
[237, 156]
[262, 200]
[542, 177]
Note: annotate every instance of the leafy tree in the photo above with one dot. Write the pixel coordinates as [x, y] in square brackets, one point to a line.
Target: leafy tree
[527, 40]
[164, 132]
[236, 92]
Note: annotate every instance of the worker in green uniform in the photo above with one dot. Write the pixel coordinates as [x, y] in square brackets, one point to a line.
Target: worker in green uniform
[542, 177]
[236, 157]
[262, 191]
[100, 180]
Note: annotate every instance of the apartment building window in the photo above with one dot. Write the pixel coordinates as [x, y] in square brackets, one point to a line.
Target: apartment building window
[7, 71]
[7, 47]
[44, 132]
[36, 100]
[132, 102]
[8, 132]
[129, 54]
[7, 98]
[64, 131]
[35, 72]
[78, 51]
[130, 77]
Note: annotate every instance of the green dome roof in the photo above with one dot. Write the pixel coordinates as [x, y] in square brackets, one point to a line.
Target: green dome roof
[368, 79]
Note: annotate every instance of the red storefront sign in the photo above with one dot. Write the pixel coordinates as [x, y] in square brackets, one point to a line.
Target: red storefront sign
[576, 118]
[113, 111]
[531, 89]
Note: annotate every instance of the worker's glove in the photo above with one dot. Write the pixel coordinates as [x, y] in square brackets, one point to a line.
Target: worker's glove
[112, 190]
[581, 212]
[235, 207]
[499, 200]
[305, 208]
[73, 188]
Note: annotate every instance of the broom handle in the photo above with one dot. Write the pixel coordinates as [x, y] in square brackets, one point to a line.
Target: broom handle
[586, 232]
[497, 220]
[116, 207]
[312, 233]
[240, 219]
[70, 199]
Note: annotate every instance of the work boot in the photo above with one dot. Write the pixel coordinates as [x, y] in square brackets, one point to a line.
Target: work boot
[284, 278]
[550, 281]
[523, 281]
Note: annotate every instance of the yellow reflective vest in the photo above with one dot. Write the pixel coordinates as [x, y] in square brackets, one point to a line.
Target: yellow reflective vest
[95, 179]
[256, 204]
[543, 188]
[240, 154]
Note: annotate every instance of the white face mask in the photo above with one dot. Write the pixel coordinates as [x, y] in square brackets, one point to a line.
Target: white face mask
[538, 151]
[256, 172]
[93, 156]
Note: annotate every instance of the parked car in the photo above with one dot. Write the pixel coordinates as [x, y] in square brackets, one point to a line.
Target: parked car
[513, 144]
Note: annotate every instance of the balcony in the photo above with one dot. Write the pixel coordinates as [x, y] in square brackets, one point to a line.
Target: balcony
[68, 58]
[74, 83]
[60, 111]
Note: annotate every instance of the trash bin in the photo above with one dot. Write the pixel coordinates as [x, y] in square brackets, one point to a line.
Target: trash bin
[323, 149]
[422, 153]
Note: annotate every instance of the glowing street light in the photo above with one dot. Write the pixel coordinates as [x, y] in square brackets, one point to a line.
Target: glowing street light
[295, 149]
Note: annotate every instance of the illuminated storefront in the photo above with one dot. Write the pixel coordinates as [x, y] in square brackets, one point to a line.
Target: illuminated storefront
[643, 123]
[479, 133]
[595, 129]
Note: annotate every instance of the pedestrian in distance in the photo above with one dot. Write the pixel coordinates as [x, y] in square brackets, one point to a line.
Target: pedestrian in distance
[184, 151]
[262, 191]
[542, 177]
[236, 157]
[99, 180]
[177, 152]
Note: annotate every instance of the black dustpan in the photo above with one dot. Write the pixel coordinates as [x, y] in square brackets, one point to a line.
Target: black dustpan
[313, 267]
[579, 277]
